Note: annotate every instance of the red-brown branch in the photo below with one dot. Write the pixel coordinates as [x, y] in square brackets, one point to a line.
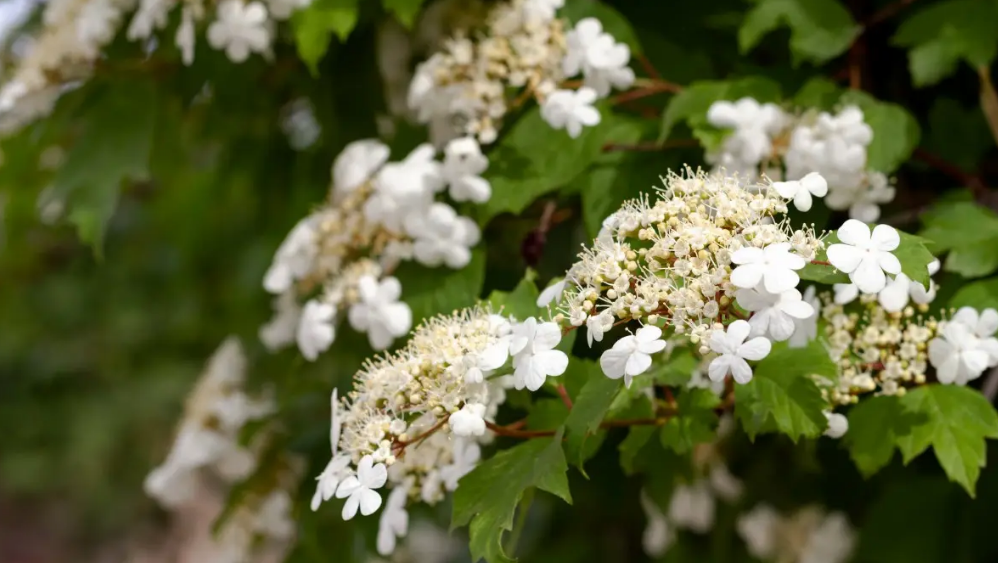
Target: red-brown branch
[821, 262]
[886, 13]
[563, 393]
[971, 181]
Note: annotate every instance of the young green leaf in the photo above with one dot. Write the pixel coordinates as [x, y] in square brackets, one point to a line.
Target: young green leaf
[969, 232]
[405, 10]
[488, 496]
[875, 424]
[521, 302]
[315, 25]
[694, 422]
[820, 30]
[588, 410]
[957, 421]
[431, 292]
[914, 257]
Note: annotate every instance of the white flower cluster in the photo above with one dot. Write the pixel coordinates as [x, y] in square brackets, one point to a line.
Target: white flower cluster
[767, 140]
[693, 260]
[415, 418]
[464, 89]
[809, 535]
[378, 214]
[74, 32]
[207, 445]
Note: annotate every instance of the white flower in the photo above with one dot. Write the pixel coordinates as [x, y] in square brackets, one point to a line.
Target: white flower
[734, 351]
[864, 257]
[462, 168]
[726, 485]
[896, 294]
[477, 366]
[773, 265]
[315, 329]
[774, 314]
[466, 456]
[921, 295]
[838, 425]
[750, 141]
[984, 327]
[359, 489]
[658, 535]
[441, 236]
[283, 326]
[403, 188]
[831, 542]
[598, 56]
[534, 357]
[551, 293]
[597, 325]
[537, 12]
[469, 421]
[338, 467]
[571, 110]
[806, 329]
[631, 355]
[692, 507]
[379, 311]
[394, 521]
[956, 356]
[800, 191]
[357, 163]
[758, 529]
[240, 29]
[845, 293]
[293, 259]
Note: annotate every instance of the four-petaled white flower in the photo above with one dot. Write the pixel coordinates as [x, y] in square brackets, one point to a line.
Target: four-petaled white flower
[896, 294]
[773, 265]
[597, 325]
[462, 169]
[552, 293]
[338, 467]
[838, 425]
[394, 521]
[241, 29]
[356, 164]
[734, 350]
[359, 489]
[983, 325]
[467, 454]
[441, 236]
[866, 257]
[315, 329]
[800, 191]
[775, 314]
[956, 354]
[571, 110]
[534, 357]
[806, 329]
[602, 60]
[631, 355]
[379, 311]
[477, 366]
[469, 421]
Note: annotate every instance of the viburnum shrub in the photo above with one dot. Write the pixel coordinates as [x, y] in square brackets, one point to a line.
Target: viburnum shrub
[733, 335]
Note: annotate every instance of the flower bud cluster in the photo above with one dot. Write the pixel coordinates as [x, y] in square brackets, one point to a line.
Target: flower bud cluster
[765, 139]
[378, 214]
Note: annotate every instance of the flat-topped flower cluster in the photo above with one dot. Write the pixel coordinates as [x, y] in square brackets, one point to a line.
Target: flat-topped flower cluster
[766, 139]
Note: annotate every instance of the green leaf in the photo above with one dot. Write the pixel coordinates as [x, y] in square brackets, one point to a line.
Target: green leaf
[114, 146]
[819, 93]
[432, 291]
[613, 178]
[821, 273]
[677, 370]
[978, 295]
[547, 414]
[613, 22]
[895, 131]
[692, 103]
[957, 421]
[521, 302]
[820, 30]
[941, 35]
[875, 424]
[781, 396]
[405, 10]
[588, 409]
[315, 25]
[637, 407]
[956, 133]
[694, 422]
[488, 496]
[914, 257]
[970, 233]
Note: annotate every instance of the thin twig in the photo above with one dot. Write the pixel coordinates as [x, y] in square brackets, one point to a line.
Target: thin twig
[563, 393]
[971, 181]
[649, 68]
[885, 13]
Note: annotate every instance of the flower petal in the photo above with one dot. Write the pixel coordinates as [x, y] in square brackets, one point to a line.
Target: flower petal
[737, 332]
[370, 501]
[889, 263]
[747, 276]
[885, 237]
[854, 233]
[780, 280]
[350, 507]
[988, 323]
[844, 257]
[637, 364]
[748, 255]
[781, 327]
[868, 277]
[755, 349]
[719, 367]
[614, 362]
[547, 336]
[740, 370]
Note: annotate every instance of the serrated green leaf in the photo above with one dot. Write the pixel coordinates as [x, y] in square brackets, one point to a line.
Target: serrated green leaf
[315, 26]
[115, 144]
[957, 421]
[692, 103]
[694, 422]
[521, 302]
[613, 22]
[942, 34]
[875, 424]
[820, 30]
[914, 257]
[895, 131]
[405, 10]
[533, 159]
[781, 396]
[588, 410]
[433, 291]
[488, 496]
